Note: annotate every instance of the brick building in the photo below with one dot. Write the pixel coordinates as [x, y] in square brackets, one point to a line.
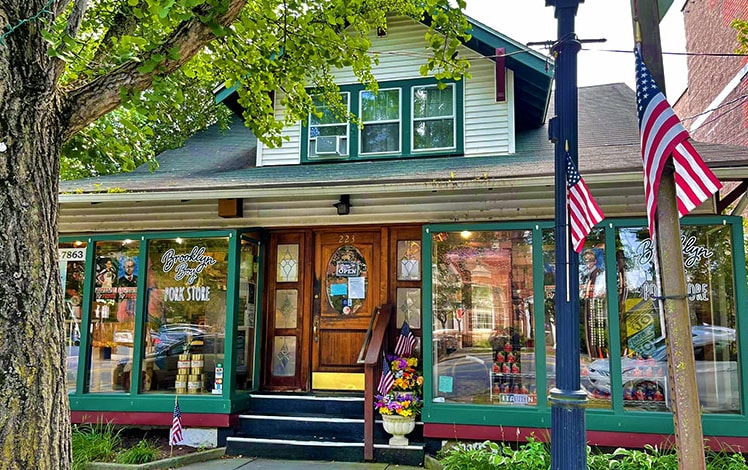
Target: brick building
[714, 106]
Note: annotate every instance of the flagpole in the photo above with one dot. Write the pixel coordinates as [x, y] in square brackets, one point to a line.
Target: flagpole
[671, 282]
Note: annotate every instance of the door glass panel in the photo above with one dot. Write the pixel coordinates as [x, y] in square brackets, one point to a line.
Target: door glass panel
[72, 256]
[288, 263]
[409, 256]
[286, 308]
[247, 321]
[284, 356]
[484, 342]
[113, 313]
[409, 306]
[346, 280]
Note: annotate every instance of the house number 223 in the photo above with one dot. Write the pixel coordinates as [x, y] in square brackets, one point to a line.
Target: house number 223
[347, 238]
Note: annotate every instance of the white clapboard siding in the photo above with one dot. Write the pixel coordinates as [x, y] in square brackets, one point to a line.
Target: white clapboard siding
[489, 126]
[289, 152]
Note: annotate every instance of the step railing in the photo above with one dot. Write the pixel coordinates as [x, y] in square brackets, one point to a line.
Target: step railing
[377, 342]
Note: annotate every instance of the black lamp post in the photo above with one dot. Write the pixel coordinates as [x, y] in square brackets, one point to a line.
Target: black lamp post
[568, 400]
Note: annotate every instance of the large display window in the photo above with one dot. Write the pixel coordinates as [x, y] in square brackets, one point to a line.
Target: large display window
[185, 299]
[483, 318]
[112, 313]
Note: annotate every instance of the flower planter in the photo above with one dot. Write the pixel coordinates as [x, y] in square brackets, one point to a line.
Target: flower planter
[399, 427]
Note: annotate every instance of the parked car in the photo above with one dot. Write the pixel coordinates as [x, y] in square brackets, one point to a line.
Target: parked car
[645, 378]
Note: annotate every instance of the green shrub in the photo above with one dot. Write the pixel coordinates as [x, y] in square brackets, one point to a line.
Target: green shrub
[143, 452]
[92, 443]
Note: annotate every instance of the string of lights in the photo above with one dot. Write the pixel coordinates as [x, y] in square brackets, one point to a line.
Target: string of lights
[45, 10]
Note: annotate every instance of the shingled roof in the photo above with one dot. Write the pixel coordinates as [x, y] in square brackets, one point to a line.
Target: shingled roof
[211, 161]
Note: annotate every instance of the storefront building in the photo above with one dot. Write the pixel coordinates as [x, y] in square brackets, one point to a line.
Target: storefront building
[236, 269]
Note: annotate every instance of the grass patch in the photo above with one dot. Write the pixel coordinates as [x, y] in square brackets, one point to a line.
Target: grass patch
[143, 452]
[94, 443]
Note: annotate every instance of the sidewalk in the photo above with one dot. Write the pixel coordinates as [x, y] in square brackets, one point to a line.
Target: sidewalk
[246, 463]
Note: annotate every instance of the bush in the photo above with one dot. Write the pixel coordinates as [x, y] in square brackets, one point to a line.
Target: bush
[94, 442]
[143, 452]
[535, 455]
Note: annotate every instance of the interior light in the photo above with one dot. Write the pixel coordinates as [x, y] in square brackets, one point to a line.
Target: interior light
[179, 240]
[466, 234]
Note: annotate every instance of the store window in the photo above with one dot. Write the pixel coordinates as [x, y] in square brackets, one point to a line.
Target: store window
[113, 313]
[72, 259]
[708, 260]
[246, 346]
[186, 316]
[483, 320]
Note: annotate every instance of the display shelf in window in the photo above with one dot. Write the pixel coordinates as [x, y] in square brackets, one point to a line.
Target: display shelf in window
[509, 385]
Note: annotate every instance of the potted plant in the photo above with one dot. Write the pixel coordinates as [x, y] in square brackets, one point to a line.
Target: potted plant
[400, 406]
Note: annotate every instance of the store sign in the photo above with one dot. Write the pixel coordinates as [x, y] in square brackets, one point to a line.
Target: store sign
[187, 266]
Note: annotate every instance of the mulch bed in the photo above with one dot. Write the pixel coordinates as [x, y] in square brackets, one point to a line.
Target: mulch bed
[129, 437]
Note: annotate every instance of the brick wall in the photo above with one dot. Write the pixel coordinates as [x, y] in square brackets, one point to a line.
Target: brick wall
[707, 25]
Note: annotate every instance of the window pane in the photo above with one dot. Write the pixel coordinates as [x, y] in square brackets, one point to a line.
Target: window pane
[247, 324]
[379, 138]
[288, 263]
[409, 258]
[328, 115]
[594, 345]
[707, 255]
[186, 301]
[433, 134]
[286, 310]
[284, 356]
[113, 314]
[433, 102]
[72, 256]
[409, 306]
[384, 106]
[484, 345]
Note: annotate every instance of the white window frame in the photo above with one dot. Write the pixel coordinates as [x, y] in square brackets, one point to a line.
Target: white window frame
[414, 120]
[347, 136]
[399, 122]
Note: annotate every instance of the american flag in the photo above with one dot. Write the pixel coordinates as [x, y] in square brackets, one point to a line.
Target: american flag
[405, 342]
[662, 134]
[584, 212]
[175, 433]
[387, 380]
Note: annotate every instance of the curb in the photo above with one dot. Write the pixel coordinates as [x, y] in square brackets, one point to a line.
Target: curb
[171, 462]
[431, 463]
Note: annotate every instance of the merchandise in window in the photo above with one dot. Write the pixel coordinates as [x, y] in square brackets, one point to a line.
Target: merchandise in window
[433, 118]
[483, 320]
[113, 313]
[328, 132]
[380, 116]
[72, 259]
[186, 317]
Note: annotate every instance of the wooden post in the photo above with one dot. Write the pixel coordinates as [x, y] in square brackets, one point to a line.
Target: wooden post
[689, 439]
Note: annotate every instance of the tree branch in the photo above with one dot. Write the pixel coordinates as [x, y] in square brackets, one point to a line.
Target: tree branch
[87, 103]
[76, 17]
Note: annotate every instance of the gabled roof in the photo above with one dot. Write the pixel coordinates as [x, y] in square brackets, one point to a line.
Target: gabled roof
[533, 74]
[609, 155]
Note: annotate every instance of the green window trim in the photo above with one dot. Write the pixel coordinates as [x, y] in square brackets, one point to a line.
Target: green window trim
[406, 125]
[617, 418]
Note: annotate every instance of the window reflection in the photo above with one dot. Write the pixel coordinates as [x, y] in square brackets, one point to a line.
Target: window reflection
[72, 260]
[484, 345]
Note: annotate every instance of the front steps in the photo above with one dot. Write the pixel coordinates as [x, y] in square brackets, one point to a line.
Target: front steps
[315, 427]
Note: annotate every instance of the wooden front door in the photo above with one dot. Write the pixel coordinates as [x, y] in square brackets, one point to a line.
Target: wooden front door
[323, 286]
[349, 270]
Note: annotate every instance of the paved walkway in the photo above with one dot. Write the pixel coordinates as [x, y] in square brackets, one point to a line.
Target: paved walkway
[244, 463]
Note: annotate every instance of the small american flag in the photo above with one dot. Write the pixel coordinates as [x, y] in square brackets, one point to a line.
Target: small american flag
[662, 134]
[387, 380]
[405, 342]
[175, 433]
[584, 213]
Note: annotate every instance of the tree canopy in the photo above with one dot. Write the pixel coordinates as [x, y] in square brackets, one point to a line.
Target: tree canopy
[270, 47]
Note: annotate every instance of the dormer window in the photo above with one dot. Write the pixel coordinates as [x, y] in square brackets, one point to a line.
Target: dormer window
[380, 114]
[413, 118]
[328, 134]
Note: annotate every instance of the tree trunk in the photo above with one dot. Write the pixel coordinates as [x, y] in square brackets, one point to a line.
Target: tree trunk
[34, 409]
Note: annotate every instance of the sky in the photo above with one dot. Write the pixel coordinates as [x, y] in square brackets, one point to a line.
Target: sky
[531, 21]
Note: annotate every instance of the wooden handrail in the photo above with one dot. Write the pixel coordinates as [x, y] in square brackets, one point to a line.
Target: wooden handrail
[372, 371]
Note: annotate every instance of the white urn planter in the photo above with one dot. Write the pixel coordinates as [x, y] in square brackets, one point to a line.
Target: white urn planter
[399, 427]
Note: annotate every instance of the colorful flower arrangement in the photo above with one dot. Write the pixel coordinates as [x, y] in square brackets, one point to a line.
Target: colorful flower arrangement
[404, 398]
